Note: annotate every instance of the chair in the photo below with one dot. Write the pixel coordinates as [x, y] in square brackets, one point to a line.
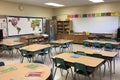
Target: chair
[100, 56]
[2, 64]
[54, 47]
[80, 53]
[26, 54]
[60, 63]
[97, 45]
[81, 69]
[108, 47]
[95, 39]
[66, 46]
[86, 44]
[5, 49]
[45, 52]
[113, 40]
[102, 39]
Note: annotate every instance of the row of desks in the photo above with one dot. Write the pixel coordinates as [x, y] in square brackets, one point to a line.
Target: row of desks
[87, 60]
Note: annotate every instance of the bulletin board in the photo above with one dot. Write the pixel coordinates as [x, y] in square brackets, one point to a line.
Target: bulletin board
[24, 25]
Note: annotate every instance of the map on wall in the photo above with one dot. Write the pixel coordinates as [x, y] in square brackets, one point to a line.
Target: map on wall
[24, 25]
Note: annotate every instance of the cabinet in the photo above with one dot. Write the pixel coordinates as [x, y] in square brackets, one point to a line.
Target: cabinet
[64, 27]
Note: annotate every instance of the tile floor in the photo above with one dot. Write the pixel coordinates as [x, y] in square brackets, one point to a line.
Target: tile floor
[116, 76]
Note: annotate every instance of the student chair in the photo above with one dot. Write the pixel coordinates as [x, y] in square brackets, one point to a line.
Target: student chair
[81, 69]
[60, 63]
[44, 52]
[26, 54]
[80, 53]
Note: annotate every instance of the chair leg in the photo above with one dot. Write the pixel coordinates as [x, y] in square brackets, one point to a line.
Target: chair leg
[22, 59]
[55, 71]
[49, 57]
[61, 72]
[71, 72]
[67, 75]
[89, 78]
[104, 69]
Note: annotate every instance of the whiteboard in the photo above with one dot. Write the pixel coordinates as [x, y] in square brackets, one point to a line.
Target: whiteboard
[107, 24]
[24, 25]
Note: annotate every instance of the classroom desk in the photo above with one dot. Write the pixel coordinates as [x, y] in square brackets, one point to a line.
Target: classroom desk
[62, 42]
[106, 55]
[103, 42]
[21, 71]
[29, 38]
[12, 43]
[35, 47]
[90, 62]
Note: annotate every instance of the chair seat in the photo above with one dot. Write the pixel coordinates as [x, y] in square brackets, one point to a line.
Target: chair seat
[42, 53]
[61, 66]
[80, 72]
[28, 56]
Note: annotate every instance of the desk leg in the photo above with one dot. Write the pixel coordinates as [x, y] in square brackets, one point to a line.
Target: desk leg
[71, 47]
[114, 65]
[110, 69]
[100, 73]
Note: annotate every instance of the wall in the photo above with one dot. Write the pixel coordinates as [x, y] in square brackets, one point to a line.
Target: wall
[96, 8]
[8, 8]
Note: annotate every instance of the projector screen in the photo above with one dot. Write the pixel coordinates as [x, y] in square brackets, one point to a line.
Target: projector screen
[107, 24]
[24, 25]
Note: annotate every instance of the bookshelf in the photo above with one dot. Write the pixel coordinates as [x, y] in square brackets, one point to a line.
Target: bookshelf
[64, 27]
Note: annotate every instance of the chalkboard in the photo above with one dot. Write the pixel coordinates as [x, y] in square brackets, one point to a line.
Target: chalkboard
[24, 25]
[107, 24]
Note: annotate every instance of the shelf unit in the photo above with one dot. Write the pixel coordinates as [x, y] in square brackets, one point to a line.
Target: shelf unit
[64, 27]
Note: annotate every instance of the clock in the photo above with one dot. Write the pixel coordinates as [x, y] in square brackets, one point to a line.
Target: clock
[20, 7]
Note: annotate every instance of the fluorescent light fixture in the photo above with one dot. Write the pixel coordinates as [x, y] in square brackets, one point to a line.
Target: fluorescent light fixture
[54, 4]
[96, 1]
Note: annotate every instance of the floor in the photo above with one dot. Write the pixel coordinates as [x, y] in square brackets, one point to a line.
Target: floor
[116, 76]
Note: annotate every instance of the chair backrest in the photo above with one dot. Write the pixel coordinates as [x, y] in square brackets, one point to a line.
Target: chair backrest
[2, 63]
[95, 39]
[81, 68]
[97, 55]
[97, 45]
[4, 47]
[102, 39]
[47, 50]
[108, 46]
[60, 62]
[86, 44]
[81, 53]
[113, 40]
[24, 53]
[68, 44]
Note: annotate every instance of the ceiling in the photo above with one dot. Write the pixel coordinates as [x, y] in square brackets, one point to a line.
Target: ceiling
[67, 3]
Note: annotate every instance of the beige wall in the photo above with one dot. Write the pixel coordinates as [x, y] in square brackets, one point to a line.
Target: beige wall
[96, 8]
[7, 8]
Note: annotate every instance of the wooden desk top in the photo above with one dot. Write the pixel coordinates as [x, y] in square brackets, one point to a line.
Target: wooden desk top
[61, 41]
[35, 47]
[103, 42]
[21, 71]
[31, 36]
[11, 42]
[88, 61]
[92, 51]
